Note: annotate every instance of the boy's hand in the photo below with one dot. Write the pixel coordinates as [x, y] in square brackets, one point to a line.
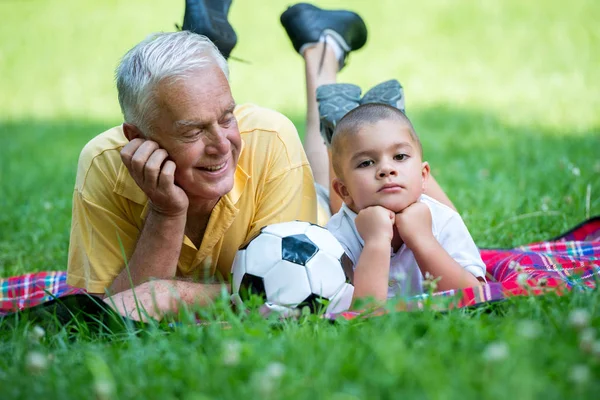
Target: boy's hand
[414, 223]
[375, 223]
[150, 168]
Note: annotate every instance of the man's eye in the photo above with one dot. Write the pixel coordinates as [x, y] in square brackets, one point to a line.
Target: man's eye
[192, 134]
[400, 157]
[228, 121]
[365, 164]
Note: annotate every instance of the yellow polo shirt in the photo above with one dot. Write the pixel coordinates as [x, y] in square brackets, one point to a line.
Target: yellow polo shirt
[273, 183]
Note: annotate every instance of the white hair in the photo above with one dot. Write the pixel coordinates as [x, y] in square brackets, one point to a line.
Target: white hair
[161, 55]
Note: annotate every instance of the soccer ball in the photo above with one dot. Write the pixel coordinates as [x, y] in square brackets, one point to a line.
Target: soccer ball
[293, 265]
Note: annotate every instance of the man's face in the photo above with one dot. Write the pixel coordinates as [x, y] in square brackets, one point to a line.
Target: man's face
[195, 124]
[382, 165]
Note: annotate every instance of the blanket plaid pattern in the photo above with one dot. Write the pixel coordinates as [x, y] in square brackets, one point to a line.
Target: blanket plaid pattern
[570, 261]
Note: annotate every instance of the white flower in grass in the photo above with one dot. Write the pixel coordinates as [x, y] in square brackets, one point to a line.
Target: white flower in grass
[579, 318]
[580, 374]
[275, 370]
[522, 279]
[104, 389]
[36, 362]
[586, 339]
[231, 352]
[575, 171]
[269, 379]
[495, 351]
[544, 207]
[36, 334]
[430, 283]
[529, 329]
[542, 282]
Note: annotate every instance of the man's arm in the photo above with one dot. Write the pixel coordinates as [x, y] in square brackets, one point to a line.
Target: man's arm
[156, 252]
[156, 298]
[157, 249]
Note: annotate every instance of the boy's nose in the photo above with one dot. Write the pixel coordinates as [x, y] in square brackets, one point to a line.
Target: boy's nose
[387, 170]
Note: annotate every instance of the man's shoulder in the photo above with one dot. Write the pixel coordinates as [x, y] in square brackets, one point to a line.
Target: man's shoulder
[101, 153]
[252, 117]
[268, 134]
[254, 121]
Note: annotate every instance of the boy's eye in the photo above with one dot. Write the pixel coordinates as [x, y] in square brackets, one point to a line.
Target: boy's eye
[400, 157]
[366, 163]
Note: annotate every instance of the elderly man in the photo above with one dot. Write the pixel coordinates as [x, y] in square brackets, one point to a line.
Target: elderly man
[189, 176]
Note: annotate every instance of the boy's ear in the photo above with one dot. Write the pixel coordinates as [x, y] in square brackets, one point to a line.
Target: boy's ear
[341, 190]
[132, 132]
[425, 171]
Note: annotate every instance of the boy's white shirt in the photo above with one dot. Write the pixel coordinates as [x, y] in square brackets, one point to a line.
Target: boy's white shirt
[405, 276]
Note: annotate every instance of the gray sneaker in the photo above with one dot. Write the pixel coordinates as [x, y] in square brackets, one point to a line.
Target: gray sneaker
[335, 100]
[388, 92]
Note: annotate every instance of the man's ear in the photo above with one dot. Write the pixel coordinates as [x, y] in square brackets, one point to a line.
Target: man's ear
[132, 132]
[425, 171]
[341, 190]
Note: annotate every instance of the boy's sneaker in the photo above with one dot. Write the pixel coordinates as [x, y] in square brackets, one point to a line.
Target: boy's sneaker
[335, 100]
[388, 92]
[209, 18]
[307, 25]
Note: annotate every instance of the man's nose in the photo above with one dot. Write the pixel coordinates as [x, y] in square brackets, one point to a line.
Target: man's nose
[217, 142]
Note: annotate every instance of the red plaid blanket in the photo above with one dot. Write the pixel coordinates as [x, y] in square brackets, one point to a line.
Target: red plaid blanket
[570, 261]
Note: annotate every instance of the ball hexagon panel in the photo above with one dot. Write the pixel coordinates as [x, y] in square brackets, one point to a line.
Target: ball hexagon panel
[284, 229]
[262, 254]
[252, 284]
[287, 284]
[325, 275]
[312, 302]
[325, 240]
[298, 249]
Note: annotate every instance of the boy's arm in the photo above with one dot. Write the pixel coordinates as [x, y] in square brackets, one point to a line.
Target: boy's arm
[433, 258]
[372, 272]
[414, 226]
[375, 226]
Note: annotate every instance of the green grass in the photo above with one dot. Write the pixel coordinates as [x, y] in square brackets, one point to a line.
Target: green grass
[505, 96]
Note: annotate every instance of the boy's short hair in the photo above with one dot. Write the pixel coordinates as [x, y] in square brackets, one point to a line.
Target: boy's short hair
[366, 114]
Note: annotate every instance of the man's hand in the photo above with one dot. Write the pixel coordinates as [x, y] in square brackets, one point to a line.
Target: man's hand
[154, 173]
[414, 224]
[375, 223]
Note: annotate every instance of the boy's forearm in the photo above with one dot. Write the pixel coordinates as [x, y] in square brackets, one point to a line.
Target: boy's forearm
[372, 272]
[433, 258]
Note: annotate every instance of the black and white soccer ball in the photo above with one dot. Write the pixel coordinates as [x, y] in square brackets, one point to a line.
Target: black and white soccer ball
[293, 265]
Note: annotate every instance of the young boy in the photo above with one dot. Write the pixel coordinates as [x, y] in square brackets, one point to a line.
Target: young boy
[392, 232]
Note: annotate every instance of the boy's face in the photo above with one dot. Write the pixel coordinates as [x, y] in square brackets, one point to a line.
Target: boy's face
[381, 165]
